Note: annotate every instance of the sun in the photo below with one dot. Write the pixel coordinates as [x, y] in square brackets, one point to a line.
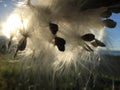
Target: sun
[13, 25]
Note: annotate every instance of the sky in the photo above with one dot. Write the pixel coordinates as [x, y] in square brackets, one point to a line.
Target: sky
[7, 6]
[114, 33]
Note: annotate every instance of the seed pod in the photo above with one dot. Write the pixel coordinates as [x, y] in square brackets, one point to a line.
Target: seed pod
[60, 43]
[109, 23]
[53, 28]
[88, 37]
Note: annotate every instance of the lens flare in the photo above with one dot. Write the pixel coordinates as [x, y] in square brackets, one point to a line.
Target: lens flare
[13, 25]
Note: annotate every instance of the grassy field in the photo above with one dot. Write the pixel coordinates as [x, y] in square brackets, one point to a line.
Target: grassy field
[10, 73]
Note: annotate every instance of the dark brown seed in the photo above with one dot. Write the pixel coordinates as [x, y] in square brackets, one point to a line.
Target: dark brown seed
[88, 37]
[61, 47]
[53, 28]
[15, 53]
[88, 48]
[94, 44]
[109, 23]
[115, 9]
[106, 14]
[10, 41]
[9, 44]
[99, 43]
[60, 43]
[22, 44]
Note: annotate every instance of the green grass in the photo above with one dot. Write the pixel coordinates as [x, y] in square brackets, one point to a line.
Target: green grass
[9, 72]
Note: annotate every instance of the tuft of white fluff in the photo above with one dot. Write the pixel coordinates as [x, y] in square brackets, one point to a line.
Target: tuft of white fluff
[41, 56]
